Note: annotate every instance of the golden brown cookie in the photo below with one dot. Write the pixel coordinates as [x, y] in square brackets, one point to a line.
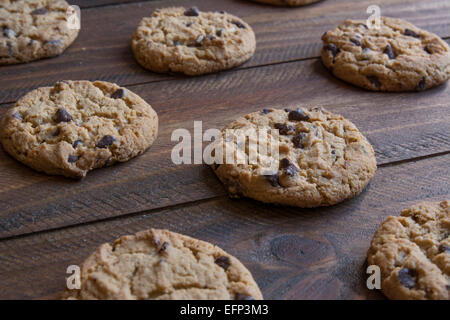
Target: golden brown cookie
[323, 159]
[35, 29]
[192, 42]
[413, 252]
[76, 126]
[159, 264]
[397, 57]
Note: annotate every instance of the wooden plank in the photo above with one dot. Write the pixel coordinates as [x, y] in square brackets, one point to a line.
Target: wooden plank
[293, 253]
[399, 125]
[98, 3]
[102, 50]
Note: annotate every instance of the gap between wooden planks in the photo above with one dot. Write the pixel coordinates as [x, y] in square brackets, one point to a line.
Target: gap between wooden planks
[293, 253]
[102, 51]
[400, 126]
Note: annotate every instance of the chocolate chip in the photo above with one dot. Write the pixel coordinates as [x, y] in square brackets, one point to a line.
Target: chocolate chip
[176, 43]
[284, 129]
[238, 24]
[298, 140]
[39, 11]
[363, 25]
[53, 42]
[223, 262]
[356, 42]
[77, 143]
[192, 12]
[298, 115]
[189, 24]
[273, 179]
[241, 296]
[332, 48]
[375, 81]
[106, 141]
[57, 132]
[407, 277]
[410, 33]
[210, 37]
[72, 158]
[444, 248]
[427, 50]
[266, 111]
[118, 94]
[219, 32]
[421, 85]
[9, 33]
[63, 116]
[17, 115]
[287, 110]
[389, 52]
[164, 247]
[288, 167]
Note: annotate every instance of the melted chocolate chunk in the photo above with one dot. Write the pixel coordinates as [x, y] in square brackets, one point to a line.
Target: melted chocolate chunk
[444, 248]
[389, 52]
[273, 180]
[189, 24]
[284, 129]
[176, 43]
[238, 24]
[266, 111]
[407, 277]
[219, 32]
[9, 33]
[39, 11]
[410, 33]
[298, 140]
[427, 50]
[77, 143]
[223, 262]
[375, 81]
[164, 247]
[298, 115]
[421, 85]
[63, 116]
[356, 42]
[72, 158]
[118, 94]
[53, 42]
[106, 141]
[333, 49]
[17, 115]
[288, 167]
[192, 12]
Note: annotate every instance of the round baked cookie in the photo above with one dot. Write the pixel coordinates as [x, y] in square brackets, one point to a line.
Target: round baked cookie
[163, 265]
[322, 158]
[76, 126]
[413, 252]
[293, 3]
[192, 42]
[397, 57]
[34, 29]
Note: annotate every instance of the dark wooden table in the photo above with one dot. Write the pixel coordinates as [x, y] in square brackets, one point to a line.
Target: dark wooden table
[48, 223]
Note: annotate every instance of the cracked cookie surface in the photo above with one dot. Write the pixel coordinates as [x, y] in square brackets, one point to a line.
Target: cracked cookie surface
[323, 159]
[397, 57]
[159, 264]
[192, 42]
[413, 252]
[76, 126]
[34, 29]
[292, 3]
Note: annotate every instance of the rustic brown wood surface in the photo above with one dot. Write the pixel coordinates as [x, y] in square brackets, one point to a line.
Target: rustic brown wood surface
[47, 223]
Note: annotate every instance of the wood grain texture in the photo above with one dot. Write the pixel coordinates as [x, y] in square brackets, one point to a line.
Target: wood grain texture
[293, 253]
[98, 3]
[102, 50]
[400, 126]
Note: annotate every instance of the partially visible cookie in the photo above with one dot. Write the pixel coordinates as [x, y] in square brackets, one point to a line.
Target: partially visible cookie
[192, 42]
[76, 126]
[397, 57]
[163, 265]
[292, 3]
[34, 29]
[323, 159]
[413, 252]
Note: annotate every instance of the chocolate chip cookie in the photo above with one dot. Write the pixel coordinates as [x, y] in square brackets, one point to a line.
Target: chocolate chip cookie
[397, 57]
[292, 3]
[322, 158]
[192, 42]
[76, 126]
[159, 264]
[31, 30]
[413, 252]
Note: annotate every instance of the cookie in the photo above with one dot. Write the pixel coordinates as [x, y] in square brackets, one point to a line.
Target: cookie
[397, 57]
[76, 126]
[292, 3]
[322, 158]
[192, 42]
[163, 265]
[413, 252]
[34, 29]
